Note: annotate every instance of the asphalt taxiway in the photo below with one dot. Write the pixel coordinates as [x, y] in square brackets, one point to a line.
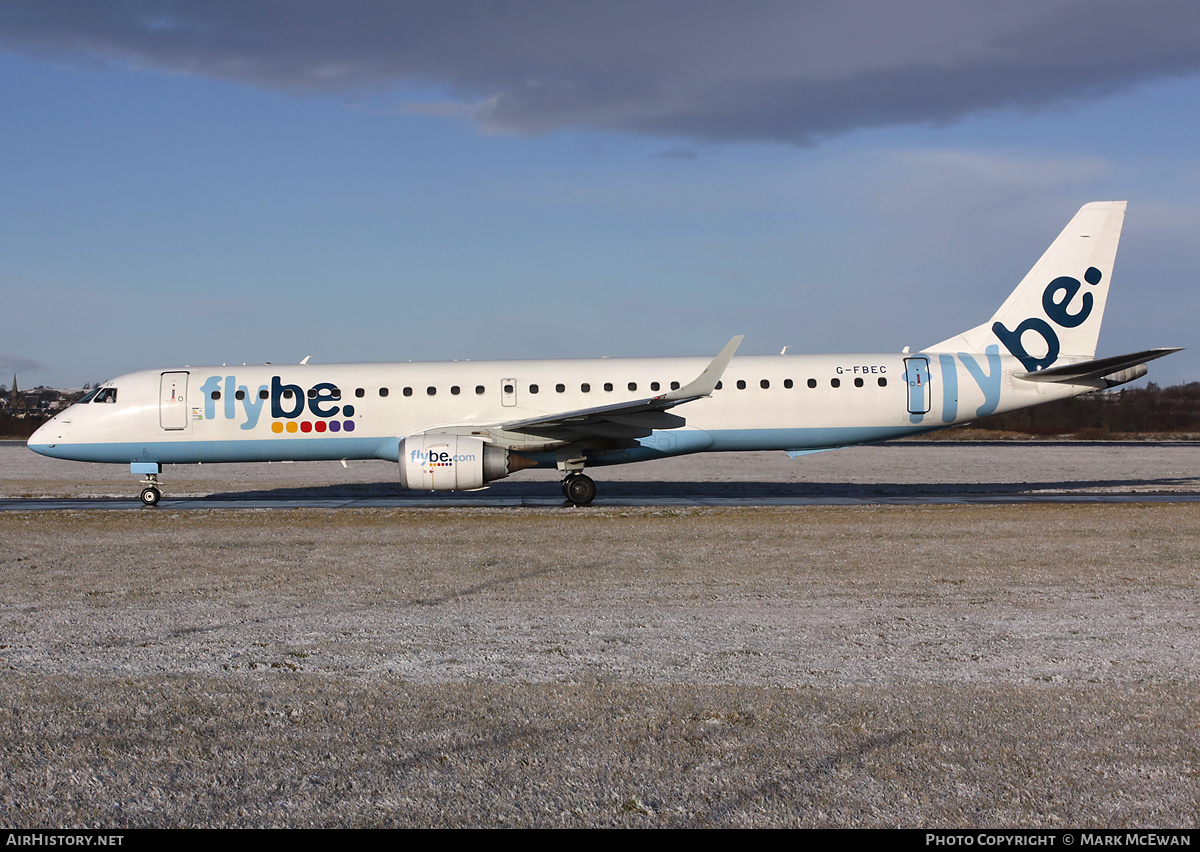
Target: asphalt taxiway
[902, 473]
[649, 500]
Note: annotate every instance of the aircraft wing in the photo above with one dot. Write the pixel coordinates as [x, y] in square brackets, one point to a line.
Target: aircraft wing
[633, 419]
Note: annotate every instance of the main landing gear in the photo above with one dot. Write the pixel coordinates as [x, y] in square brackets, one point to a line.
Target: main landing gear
[579, 488]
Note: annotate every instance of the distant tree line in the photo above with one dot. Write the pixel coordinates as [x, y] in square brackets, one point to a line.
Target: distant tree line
[23, 411]
[1093, 416]
[12, 427]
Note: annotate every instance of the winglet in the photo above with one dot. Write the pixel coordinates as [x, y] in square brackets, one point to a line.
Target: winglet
[706, 382]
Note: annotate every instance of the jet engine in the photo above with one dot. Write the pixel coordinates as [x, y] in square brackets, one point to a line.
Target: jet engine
[453, 462]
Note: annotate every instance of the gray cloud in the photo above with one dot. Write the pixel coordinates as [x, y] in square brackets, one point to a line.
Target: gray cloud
[705, 71]
[17, 364]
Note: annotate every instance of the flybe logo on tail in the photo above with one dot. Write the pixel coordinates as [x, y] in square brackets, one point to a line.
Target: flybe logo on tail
[287, 402]
[1057, 300]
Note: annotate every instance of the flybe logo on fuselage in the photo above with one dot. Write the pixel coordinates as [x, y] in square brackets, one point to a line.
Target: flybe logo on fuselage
[224, 397]
[1056, 301]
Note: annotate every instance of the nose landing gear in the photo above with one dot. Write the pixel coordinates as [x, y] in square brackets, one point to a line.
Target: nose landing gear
[151, 495]
[151, 487]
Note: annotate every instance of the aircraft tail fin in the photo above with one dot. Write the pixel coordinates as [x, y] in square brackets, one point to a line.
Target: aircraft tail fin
[1056, 310]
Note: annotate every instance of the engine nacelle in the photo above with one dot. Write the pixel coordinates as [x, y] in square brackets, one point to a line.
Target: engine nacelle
[452, 462]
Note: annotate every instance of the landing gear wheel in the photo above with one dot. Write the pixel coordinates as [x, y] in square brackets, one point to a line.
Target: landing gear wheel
[579, 489]
[151, 496]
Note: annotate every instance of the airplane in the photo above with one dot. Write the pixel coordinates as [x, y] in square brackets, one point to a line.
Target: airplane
[461, 425]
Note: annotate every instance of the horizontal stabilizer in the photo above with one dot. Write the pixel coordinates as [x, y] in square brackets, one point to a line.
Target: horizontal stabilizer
[1098, 368]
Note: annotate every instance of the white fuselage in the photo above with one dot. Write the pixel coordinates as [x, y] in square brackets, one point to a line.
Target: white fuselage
[362, 411]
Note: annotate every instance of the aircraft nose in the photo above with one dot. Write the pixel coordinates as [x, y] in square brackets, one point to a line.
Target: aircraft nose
[46, 437]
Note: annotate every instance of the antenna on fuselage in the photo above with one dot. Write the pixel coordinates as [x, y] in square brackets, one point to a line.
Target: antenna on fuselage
[306, 357]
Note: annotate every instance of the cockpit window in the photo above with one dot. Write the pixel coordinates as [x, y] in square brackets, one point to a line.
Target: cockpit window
[89, 396]
[105, 395]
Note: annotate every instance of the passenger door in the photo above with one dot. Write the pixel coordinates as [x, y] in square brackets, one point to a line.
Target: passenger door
[916, 371]
[172, 402]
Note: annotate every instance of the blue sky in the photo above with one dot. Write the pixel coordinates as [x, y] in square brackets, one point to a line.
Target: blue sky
[200, 183]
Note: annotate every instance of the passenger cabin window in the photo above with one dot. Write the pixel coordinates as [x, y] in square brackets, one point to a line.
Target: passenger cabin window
[633, 386]
[406, 392]
[455, 389]
[585, 387]
[720, 385]
[764, 384]
[787, 383]
[560, 388]
[741, 384]
[882, 382]
[217, 394]
[431, 391]
[812, 383]
[608, 386]
[654, 386]
[263, 393]
[241, 394]
[835, 383]
[674, 385]
[533, 388]
[858, 383]
[384, 391]
[478, 390]
[360, 393]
